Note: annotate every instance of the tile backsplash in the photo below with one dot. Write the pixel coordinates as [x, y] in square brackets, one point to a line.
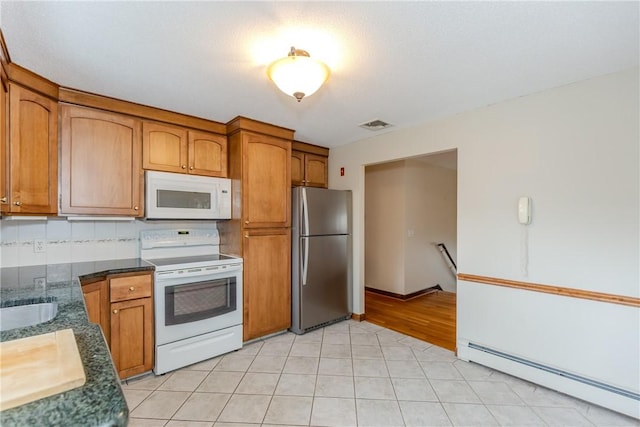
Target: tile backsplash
[76, 241]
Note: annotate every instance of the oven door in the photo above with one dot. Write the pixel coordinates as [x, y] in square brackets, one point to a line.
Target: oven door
[187, 304]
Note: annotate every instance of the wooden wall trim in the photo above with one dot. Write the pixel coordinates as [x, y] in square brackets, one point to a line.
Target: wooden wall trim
[86, 99]
[4, 51]
[552, 289]
[5, 59]
[358, 317]
[33, 81]
[244, 123]
[402, 296]
[305, 147]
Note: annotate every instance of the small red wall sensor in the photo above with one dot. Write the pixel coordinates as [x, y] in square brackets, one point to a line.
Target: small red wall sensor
[341, 171]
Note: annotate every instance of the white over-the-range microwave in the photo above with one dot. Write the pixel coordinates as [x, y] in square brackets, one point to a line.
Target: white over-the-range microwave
[181, 196]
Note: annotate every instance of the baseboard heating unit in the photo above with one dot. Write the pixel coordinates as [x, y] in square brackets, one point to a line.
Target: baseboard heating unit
[588, 389]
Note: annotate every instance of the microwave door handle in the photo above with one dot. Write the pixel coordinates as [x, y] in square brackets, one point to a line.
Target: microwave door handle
[305, 259]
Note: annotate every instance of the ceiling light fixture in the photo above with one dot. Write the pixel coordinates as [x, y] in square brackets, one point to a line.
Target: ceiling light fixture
[298, 75]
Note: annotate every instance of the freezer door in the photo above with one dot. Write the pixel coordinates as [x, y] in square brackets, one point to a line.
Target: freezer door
[324, 211]
[324, 292]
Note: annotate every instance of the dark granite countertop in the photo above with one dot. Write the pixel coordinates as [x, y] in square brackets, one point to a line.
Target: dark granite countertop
[100, 401]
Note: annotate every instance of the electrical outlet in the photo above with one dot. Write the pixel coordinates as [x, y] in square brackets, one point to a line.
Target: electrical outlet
[39, 246]
[40, 282]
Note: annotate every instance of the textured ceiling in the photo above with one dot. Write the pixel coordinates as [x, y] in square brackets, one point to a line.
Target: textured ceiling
[402, 62]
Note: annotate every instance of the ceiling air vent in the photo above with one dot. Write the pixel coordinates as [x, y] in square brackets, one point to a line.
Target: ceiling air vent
[376, 124]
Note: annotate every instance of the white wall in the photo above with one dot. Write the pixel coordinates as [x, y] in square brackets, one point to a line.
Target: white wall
[77, 241]
[385, 224]
[575, 151]
[431, 217]
[409, 205]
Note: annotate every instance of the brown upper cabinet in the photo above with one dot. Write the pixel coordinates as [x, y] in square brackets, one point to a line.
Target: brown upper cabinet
[29, 153]
[176, 149]
[260, 163]
[309, 164]
[101, 163]
[266, 198]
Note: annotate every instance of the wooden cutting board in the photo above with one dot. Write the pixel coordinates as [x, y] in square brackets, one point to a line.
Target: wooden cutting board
[39, 366]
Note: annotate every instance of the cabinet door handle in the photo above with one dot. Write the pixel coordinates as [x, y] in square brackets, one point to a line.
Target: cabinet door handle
[17, 203]
[115, 311]
[3, 200]
[246, 222]
[131, 289]
[135, 208]
[190, 168]
[184, 166]
[246, 235]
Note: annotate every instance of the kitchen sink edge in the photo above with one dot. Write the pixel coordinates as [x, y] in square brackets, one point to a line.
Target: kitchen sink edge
[100, 401]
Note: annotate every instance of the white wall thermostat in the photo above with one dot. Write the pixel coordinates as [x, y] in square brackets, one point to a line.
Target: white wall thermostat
[524, 210]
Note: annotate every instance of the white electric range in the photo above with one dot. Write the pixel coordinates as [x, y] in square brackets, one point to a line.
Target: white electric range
[197, 296]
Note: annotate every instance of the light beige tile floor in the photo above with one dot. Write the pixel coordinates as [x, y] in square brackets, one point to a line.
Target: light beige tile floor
[350, 374]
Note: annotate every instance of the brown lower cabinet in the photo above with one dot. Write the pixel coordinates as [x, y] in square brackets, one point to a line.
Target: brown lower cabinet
[122, 305]
[267, 281]
[96, 299]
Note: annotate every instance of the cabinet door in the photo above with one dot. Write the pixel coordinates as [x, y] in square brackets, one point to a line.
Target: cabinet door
[96, 299]
[315, 174]
[101, 163]
[267, 281]
[132, 336]
[207, 154]
[266, 181]
[164, 148]
[297, 168]
[4, 149]
[32, 153]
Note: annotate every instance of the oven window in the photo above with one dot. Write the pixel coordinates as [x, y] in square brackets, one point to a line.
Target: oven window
[202, 300]
[183, 199]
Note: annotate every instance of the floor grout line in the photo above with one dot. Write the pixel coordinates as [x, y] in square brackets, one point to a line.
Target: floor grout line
[390, 344]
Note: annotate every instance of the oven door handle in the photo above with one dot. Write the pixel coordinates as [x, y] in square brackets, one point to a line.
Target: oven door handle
[305, 259]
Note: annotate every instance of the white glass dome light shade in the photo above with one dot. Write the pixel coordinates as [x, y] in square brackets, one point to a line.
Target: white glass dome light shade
[298, 75]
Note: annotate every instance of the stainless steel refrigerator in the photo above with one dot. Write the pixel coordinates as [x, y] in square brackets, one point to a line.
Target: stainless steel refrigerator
[321, 257]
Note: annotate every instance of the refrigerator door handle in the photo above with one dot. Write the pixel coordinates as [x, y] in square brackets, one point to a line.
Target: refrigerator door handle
[305, 210]
[305, 260]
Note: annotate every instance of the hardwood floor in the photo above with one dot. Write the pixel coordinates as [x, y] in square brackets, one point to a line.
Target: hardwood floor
[430, 317]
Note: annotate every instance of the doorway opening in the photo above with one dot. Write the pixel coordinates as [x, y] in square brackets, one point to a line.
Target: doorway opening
[410, 215]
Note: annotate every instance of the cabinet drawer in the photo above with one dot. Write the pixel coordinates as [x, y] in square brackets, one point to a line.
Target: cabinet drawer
[130, 287]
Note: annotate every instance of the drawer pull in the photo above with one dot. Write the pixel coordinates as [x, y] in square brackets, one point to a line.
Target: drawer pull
[131, 289]
[115, 311]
